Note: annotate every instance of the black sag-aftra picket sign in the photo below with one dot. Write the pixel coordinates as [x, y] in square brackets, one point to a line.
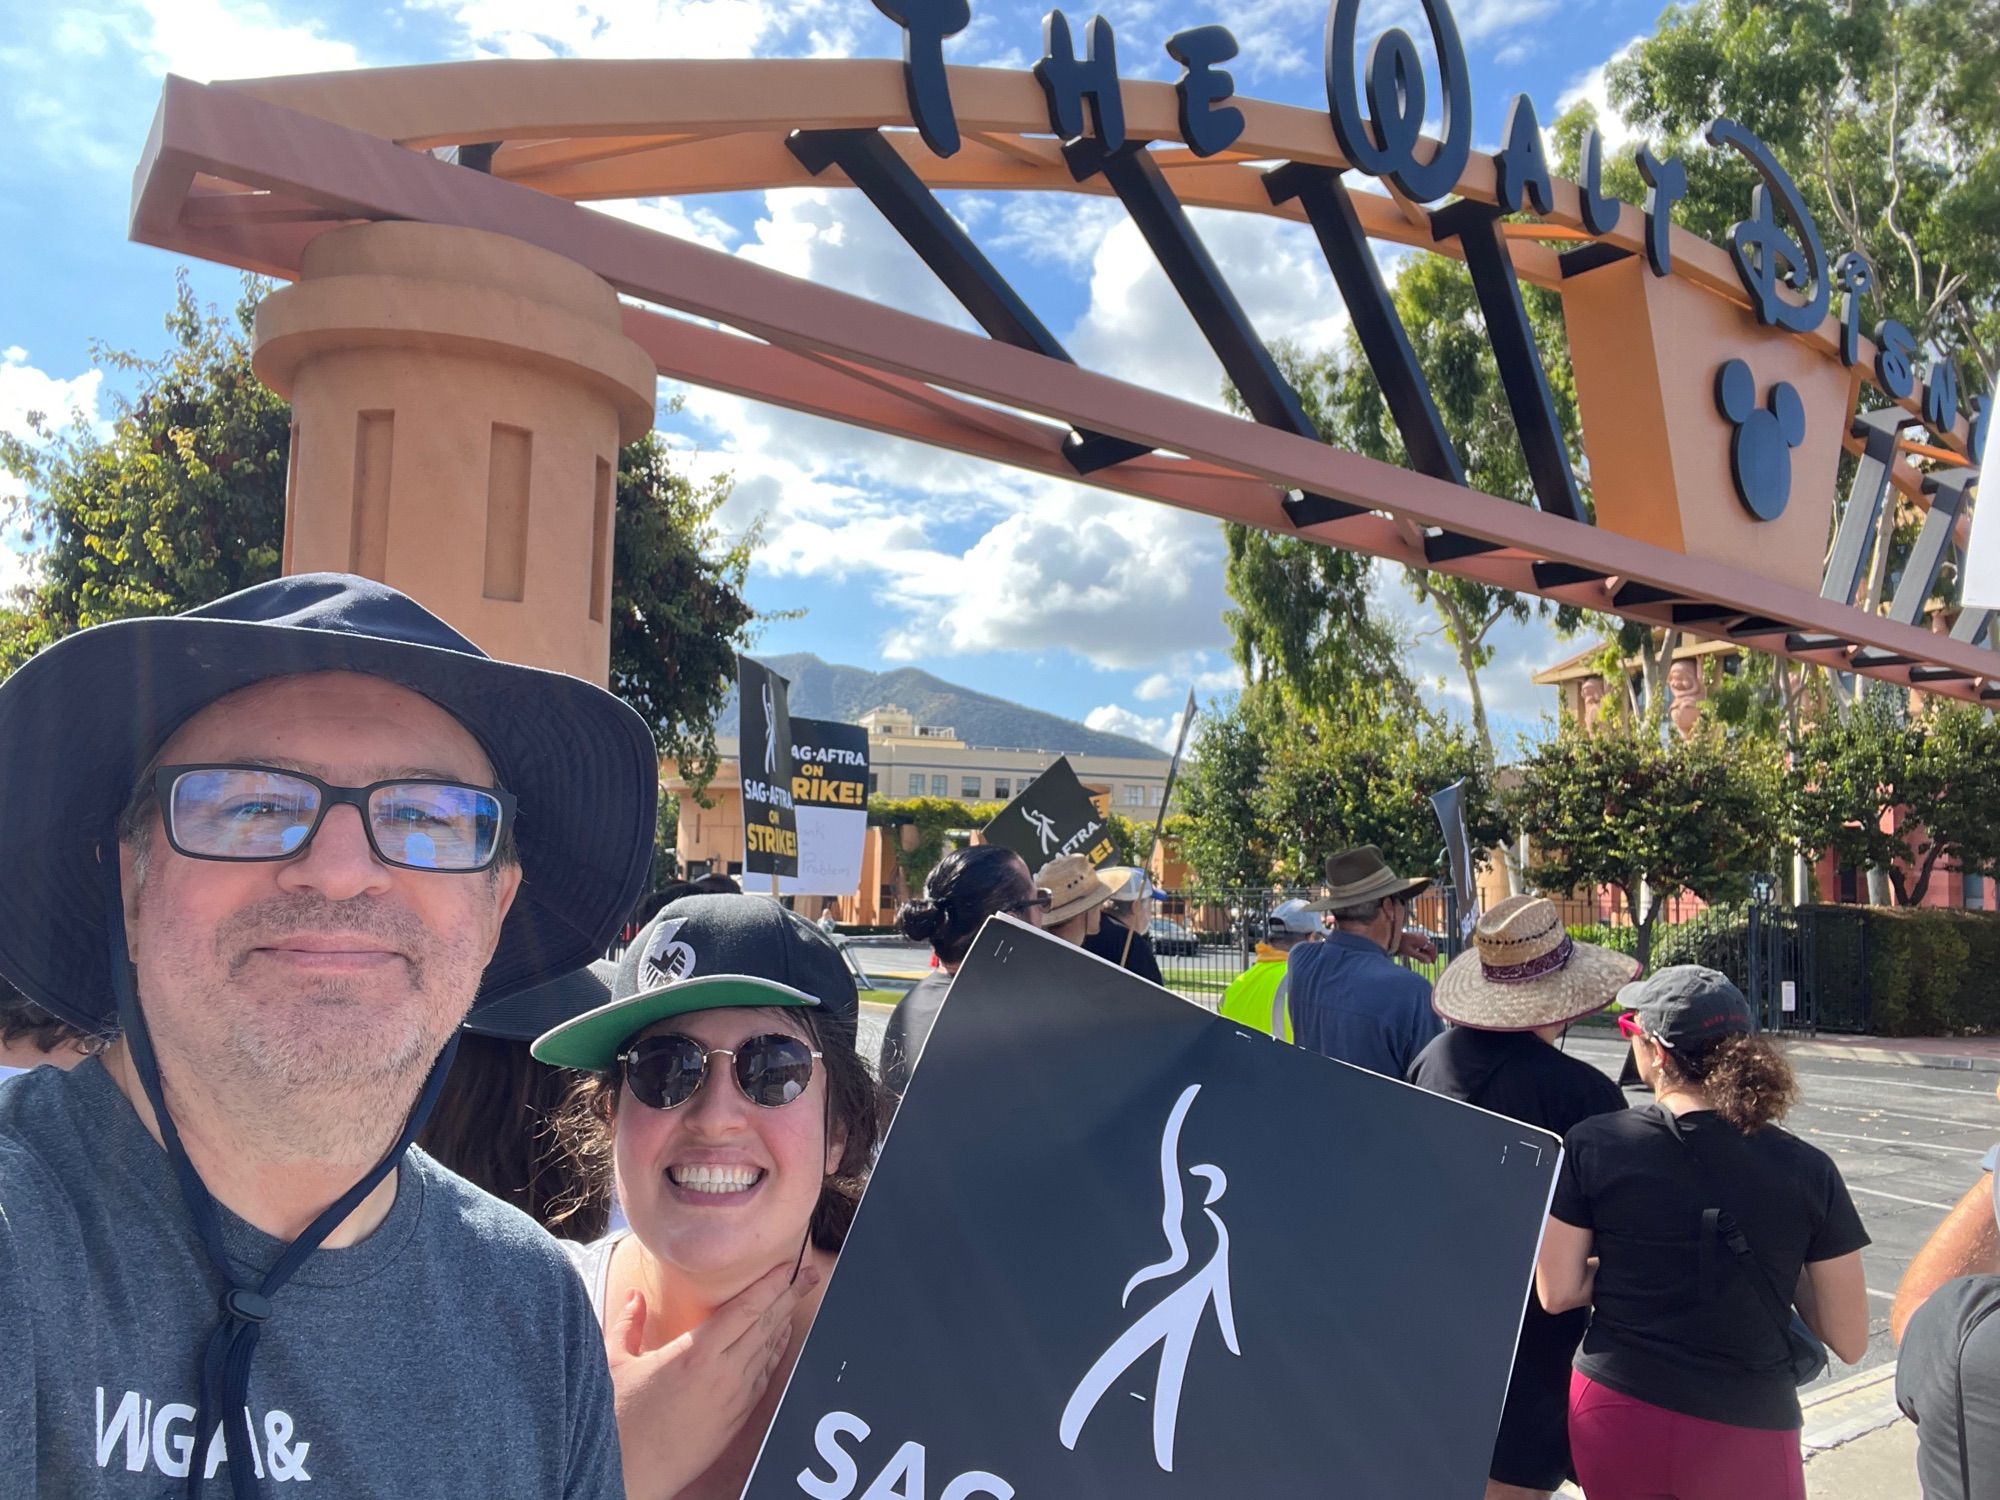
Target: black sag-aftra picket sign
[1116, 1247]
[1052, 815]
[764, 751]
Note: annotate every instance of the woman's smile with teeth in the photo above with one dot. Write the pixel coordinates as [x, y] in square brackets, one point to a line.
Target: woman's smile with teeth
[713, 1177]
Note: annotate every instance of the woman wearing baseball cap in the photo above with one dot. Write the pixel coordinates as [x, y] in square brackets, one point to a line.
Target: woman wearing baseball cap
[1708, 1224]
[728, 1101]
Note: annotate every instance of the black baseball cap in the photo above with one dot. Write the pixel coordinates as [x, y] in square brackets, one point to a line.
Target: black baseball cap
[1688, 1003]
[709, 952]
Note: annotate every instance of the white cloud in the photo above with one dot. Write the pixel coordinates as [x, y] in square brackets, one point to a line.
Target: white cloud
[16, 568]
[1059, 229]
[209, 39]
[1138, 330]
[1190, 671]
[26, 392]
[627, 28]
[673, 216]
[1113, 719]
[1590, 86]
[1120, 582]
[833, 237]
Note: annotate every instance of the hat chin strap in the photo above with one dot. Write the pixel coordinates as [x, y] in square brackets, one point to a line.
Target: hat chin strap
[224, 1397]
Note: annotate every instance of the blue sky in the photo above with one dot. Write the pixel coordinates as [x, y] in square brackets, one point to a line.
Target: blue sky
[1072, 599]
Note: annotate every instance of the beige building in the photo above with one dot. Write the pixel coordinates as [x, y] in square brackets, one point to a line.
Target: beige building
[908, 759]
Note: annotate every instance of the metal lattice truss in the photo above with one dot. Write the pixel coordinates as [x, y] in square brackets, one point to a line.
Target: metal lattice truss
[247, 174]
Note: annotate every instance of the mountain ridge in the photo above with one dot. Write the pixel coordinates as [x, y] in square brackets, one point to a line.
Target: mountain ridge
[828, 690]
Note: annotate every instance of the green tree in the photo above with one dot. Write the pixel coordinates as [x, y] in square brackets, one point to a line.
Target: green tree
[1300, 619]
[1900, 792]
[183, 500]
[1338, 780]
[1886, 112]
[1218, 828]
[1648, 814]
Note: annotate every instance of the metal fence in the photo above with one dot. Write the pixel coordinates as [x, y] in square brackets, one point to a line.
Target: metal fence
[1802, 969]
[1203, 939]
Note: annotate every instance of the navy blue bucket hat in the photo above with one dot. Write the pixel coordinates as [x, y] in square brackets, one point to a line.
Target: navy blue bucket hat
[80, 722]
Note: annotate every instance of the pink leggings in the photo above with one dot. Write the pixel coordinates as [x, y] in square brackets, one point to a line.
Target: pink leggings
[1627, 1449]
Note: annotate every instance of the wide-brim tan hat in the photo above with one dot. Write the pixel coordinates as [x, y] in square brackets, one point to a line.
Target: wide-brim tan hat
[1359, 877]
[1076, 886]
[1524, 970]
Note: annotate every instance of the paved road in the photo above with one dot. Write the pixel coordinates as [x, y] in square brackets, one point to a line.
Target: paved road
[1907, 1139]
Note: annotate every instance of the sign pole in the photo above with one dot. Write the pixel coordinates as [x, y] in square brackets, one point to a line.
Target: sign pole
[1160, 821]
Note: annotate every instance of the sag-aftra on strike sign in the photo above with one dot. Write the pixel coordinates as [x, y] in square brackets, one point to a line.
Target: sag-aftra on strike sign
[1118, 1247]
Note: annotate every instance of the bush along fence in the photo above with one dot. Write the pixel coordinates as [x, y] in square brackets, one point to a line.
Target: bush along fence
[1882, 971]
[1860, 969]
[1204, 938]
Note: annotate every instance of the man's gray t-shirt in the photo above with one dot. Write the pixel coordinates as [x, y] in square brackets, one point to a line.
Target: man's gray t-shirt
[451, 1353]
[1951, 1355]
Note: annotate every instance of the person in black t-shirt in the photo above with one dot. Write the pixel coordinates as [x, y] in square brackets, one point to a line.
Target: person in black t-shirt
[1121, 936]
[963, 889]
[1683, 1389]
[1509, 1001]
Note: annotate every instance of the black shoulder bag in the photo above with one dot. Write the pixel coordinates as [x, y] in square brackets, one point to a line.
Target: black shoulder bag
[1803, 1349]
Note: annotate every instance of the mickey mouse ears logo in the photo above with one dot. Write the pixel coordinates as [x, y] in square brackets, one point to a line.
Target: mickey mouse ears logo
[667, 959]
[1760, 452]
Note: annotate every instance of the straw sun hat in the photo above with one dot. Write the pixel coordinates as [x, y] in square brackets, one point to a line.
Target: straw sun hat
[1076, 887]
[1525, 970]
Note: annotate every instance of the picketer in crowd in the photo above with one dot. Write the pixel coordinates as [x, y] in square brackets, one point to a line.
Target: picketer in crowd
[962, 890]
[1694, 1228]
[1948, 1359]
[1120, 936]
[1078, 893]
[495, 1119]
[728, 1099]
[1510, 1000]
[1348, 997]
[1257, 996]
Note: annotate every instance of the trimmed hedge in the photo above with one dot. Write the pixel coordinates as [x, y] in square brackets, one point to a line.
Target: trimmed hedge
[1908, 971]
[1932, 972]
[1623, 940]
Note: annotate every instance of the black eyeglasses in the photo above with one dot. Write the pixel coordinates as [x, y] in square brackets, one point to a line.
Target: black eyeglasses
[664, 1071]
[1040, 901]
[245, 812]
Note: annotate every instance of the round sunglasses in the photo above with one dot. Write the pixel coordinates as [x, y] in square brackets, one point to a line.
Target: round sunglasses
[664, 1071]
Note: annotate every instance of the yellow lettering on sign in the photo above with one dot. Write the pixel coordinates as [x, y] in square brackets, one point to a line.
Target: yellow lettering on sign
[779, 841]
[836, 793]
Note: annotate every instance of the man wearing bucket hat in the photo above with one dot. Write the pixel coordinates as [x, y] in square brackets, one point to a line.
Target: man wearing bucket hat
[1078, 893]
[1349, 998]
[1510, 998]
[281, 845]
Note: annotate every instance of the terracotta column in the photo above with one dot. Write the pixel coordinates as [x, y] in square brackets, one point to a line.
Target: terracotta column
[458, 402]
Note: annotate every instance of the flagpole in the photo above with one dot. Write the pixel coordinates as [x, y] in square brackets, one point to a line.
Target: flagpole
[1160, 822]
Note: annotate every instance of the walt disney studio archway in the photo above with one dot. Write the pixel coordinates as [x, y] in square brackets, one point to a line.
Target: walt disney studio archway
[1718, 386]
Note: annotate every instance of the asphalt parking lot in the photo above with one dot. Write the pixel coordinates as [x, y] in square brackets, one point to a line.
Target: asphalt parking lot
[1907, 1139]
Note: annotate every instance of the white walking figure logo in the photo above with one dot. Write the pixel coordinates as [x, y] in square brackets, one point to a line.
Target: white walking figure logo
[770, 734]
[1175, 1318]
[1044, 826]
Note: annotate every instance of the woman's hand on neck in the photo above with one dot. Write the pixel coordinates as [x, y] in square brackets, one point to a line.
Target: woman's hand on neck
[678, 1302]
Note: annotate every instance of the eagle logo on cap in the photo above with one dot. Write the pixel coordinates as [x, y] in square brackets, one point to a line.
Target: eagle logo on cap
[668, 960]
